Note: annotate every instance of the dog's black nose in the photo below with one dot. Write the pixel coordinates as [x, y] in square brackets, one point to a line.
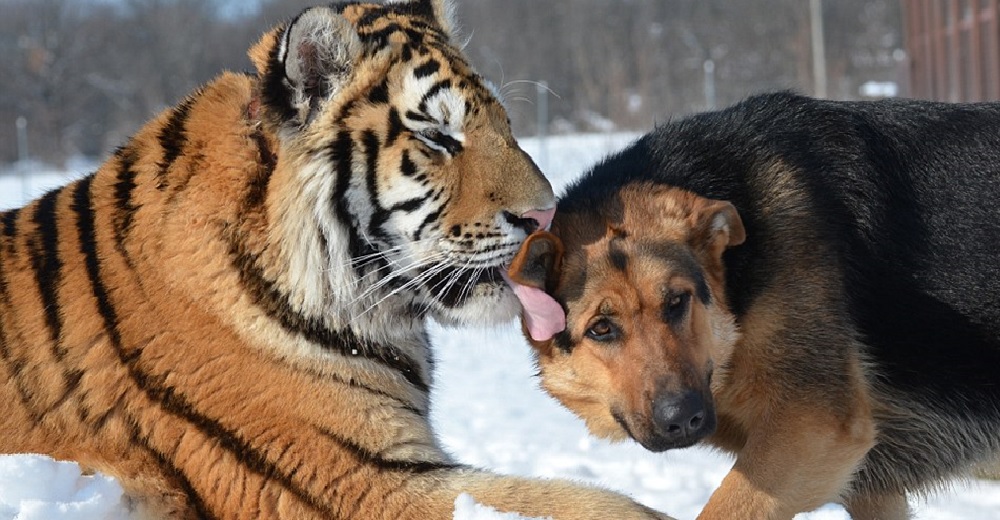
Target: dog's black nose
[683, 417]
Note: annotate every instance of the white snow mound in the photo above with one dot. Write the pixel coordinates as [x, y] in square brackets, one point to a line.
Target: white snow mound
[36, 487]
[466, 508]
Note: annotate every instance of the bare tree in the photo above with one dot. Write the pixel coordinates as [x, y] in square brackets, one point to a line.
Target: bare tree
[87, 73]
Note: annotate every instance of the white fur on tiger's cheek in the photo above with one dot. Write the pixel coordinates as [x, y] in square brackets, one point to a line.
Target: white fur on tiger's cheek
[309, 276]
[489, 305]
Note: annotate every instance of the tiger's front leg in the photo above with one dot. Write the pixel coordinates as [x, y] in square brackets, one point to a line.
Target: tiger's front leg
[535, 498]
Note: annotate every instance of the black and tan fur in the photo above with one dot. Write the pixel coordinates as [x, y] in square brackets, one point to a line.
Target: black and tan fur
[835, 324]
[228, 316]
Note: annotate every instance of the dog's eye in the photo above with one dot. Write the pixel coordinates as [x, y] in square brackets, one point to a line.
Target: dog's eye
[603, 330]
[677, 306]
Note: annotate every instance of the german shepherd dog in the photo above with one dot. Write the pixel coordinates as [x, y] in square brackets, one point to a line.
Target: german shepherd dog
[813, 286]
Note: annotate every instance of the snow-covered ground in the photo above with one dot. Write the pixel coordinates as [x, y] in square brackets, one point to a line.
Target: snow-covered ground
[488, 411]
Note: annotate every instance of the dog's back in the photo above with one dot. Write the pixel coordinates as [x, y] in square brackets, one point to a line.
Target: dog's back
[894, 201]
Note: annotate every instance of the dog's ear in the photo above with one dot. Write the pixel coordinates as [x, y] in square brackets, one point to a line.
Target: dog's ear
[538, 263]
[715, 226]
[534, 276]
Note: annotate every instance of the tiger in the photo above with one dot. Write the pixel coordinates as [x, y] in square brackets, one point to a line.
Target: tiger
[230, 315]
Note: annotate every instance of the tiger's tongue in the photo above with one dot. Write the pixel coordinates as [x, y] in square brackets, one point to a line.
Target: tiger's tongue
[542, 314]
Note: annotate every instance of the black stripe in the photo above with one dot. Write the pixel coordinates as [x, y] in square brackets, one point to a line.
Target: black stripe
[269, 298]
[164, 463]
[372, 16]
[430, 220]
[418, 38]
[86, 416]
[411, 205]
[173, 402]
[267, 161]
[407, 167]
[275, 94]
[450, 144]
[342, 154]
[376, 40]
[173, 138]
[17, 370]
[4, 284]
[379, 214]
[10, 227]
[48, 267]
[379, 95]
[195, 165]
[165, 395]
[16, 366]
[124, 207]
[71, 381]
[396, 127]
[427, 69]
[356, 502]
[416, 116]
[87, 231]
[433, 91]
[455, 59]
[373, 459]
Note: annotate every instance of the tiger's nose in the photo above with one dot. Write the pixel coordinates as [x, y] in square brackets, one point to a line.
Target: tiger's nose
[532, 220]
[542, 216]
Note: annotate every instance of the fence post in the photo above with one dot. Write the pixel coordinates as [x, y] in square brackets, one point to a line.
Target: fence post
[818, 47]
[22, 155]
[542, 113]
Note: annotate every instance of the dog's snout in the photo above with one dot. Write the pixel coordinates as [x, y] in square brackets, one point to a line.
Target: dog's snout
[683, 417]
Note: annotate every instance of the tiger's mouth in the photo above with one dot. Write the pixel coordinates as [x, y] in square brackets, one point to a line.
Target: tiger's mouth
[453, 287]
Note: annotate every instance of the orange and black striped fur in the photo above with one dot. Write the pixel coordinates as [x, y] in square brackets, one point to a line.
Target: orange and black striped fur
[835, 324]
[229, 315]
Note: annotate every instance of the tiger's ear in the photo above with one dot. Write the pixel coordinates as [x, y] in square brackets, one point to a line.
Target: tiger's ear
[313, 60]
[442, 12]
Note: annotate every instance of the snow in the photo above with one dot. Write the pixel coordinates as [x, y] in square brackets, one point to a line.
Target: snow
[488, 411]
[466, 508]
[33, 487]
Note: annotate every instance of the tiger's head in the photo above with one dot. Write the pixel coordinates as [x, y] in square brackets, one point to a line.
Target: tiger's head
[417, 192]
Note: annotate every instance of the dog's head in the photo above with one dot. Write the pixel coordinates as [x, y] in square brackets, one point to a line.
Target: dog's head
[641, 281]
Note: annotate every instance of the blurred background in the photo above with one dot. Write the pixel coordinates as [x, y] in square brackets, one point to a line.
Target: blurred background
[77, 77]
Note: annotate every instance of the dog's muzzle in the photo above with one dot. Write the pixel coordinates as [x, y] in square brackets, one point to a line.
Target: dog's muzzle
[680, 419]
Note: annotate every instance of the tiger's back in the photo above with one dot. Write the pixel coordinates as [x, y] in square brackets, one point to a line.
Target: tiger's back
[228, 316]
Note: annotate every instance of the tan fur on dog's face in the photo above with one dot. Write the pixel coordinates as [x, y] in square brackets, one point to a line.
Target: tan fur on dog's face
[642, 284]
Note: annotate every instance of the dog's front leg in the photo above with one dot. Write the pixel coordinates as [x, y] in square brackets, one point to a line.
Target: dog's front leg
[878, 507]
[802, 459]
